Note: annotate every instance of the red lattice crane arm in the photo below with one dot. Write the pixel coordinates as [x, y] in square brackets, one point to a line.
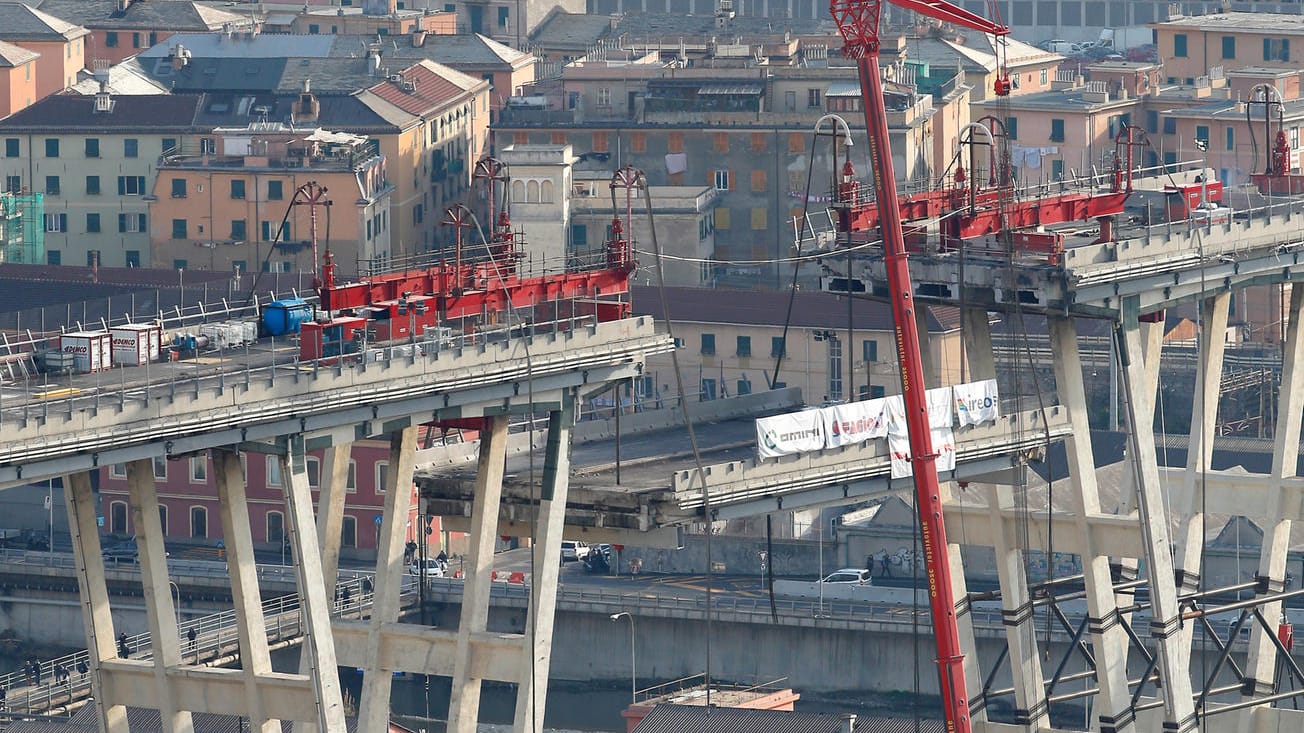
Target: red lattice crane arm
[858, 23]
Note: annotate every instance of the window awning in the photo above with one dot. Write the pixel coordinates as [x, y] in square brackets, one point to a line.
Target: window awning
[730, 89]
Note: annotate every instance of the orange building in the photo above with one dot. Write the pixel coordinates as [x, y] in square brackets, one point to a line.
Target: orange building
[60, 45]
[223, 210]
[17, 78]
[120, 29]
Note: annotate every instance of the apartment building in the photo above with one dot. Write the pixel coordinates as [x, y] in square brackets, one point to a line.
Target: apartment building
[188, 503]
[17, 78]
[733, 342]
[95, 159]
[1192, 46]
[61, 46]
[223, 210]
[118, 29]
[374, 18]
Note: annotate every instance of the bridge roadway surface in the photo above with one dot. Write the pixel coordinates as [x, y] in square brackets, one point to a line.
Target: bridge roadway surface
[654, 486]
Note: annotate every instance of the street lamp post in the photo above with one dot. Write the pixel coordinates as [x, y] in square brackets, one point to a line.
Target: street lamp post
[1203, 147]
[633, 678]
[176, 609]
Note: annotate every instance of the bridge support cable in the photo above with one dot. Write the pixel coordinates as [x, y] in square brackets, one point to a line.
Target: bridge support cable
[532, 690]
[1109, 640]
[464, 704]
[160, 614]
[1174, 657]
[246, 598]
[83, 510]
[1260, 663]
[377, 680]
[312, 590]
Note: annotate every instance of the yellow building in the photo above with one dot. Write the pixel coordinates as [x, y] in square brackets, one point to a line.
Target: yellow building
[60, 44]
[224, 210]
[17, 78]
[1190, 47]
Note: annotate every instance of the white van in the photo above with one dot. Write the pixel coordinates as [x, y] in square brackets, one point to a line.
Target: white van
[434, 568]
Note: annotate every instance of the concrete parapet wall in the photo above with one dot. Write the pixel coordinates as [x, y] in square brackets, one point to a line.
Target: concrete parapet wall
[757, 403]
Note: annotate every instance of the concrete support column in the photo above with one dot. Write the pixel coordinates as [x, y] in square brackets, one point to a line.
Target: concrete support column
[464, 705]
[977, 332]
[251, 626]
[1109, 640]
[1260, 666]
[377, 680]
[89, 562]
[160, 614]
[532, 691]
[1189, 535]
[926, 346]
[316, 603]
[1174, 657]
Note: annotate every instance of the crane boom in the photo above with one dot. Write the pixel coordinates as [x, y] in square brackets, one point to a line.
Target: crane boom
[858, 23]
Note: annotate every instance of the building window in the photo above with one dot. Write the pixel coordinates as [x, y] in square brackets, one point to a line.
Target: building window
[135, 40]
[131, 185]
[238, 230]
[744, 386]
[118, 470]
[92, 256]
[835, 368]
[130, 148]
[312, 467]
[160, 468]
[14, 184]
[708, 390]
[51, 147]
[349, 532]
[313, 29]
[276, 528]
[1170, 125]
[1044, 78]
[1276, 49]
[600, 142]
[56, 222]
[760, 218]
[92, 147]
[131, 223]
[351, 485]
[1202, 132]
[759, 182]
[744, 348]
[273, 470]
[163, 518]
[111, 39]
[722, 218]
[637, 142]
[52, 185]
[758, 142]
[169, 144]
[133, 256]
[813, 97]
[1231, 139]
[1057, 130]
[178, 188]
[382, 476]
[11, 147]
[237, 188]
[1179, 45]
[579, 236]
[1229, 47]
[53, 257]
[118, 517]
[776, 347]
[708, 344]
[675, 142]
[503, 16]
[869, 351]
[274, 191]
[92, 223]
[720, 142]
[198, 522]
[199, 469]
[721, 180]
[92, 185]
[604, 96]
[1012, 127]
[179, 229]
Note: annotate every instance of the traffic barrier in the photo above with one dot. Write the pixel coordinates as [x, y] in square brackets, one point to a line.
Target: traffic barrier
[516, 577]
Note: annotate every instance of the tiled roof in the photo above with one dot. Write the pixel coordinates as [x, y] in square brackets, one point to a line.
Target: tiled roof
[579, 30]
[768, 308]
[344, 113]
[433, 86]
[19, 22]
[179, 15]
[670, 718]
[77, 112]
[11, 55]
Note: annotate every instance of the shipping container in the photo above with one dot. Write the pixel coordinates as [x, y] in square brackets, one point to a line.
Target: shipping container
[283, 317]
[135, 344]
[92, 351]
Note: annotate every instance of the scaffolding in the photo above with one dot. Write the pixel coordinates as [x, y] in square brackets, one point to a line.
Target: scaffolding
[22, 227]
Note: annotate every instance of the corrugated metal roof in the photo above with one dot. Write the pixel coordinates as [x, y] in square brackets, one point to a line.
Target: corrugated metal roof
[669, 718]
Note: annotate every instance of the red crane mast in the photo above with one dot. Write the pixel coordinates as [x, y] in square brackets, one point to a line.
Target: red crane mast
[858, 23]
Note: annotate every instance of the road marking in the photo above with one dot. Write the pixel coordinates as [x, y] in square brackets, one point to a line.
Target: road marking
[53, 393]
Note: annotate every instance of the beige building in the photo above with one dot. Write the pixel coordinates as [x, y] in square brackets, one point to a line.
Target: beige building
[17, 78]
[60, 44]
[1191, 46]
[731, 341]
[95, 159]
[119, 29]
[223, 210]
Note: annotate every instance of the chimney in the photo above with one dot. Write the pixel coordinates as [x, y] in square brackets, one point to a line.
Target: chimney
[103, 100]
[848, 723]
[373, 60]
[122, 5]
[306, 108]
[418, 38]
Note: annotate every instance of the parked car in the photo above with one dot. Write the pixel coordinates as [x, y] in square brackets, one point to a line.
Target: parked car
[1059, 45]
[124, 551]
[435, 568]
[849, 575]
[574, 551]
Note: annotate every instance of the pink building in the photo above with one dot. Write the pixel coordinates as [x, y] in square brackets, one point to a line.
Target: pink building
[188, 507]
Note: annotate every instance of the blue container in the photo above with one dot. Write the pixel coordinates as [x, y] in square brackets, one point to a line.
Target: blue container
[282, 317]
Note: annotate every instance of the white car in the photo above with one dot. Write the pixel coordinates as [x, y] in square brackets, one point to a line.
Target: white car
[434, 568]
[574, 551]
[850, 575]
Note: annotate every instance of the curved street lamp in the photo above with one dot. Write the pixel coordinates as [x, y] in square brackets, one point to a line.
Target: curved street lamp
[633, 683]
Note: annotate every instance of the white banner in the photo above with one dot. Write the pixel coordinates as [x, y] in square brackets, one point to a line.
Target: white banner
[977, 402]
[797, 432]
[939, 407]
[943, 446]
[853, 423]
[894, 414]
